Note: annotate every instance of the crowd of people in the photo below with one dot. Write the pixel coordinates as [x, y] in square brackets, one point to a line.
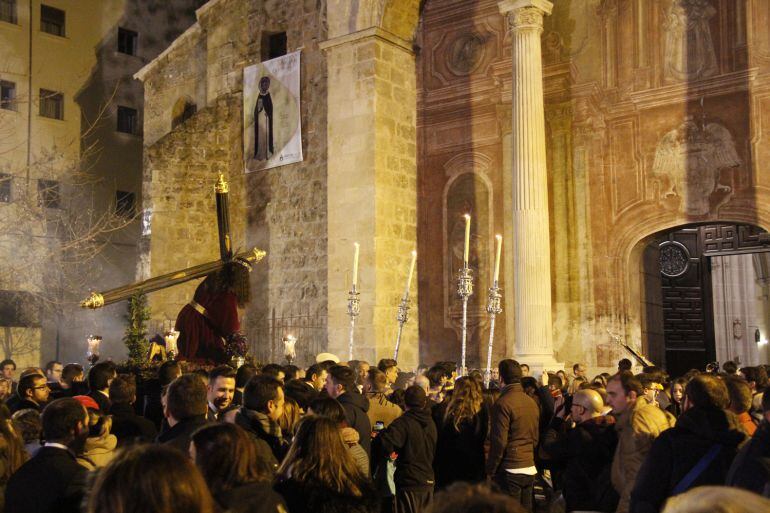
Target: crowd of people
[353, 437]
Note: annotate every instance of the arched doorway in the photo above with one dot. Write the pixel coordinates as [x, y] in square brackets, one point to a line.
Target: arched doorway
[705, 295]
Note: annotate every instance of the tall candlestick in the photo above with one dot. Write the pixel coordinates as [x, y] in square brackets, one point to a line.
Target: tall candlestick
[411, 271]
[355, 264]
[499, 243]
[467, 239]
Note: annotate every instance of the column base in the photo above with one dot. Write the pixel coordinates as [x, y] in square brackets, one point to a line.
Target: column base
[539, 363]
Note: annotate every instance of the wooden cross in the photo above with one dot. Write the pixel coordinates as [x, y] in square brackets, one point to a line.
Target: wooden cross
[100, 299]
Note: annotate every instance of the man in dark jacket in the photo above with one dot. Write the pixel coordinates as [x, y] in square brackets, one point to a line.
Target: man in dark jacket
[220, 391]
[585, 452]
[185, 411]
[513, 437]
[751, 467]
[127, 426]
[263, 400]
[31, 393]
[698, 451]
[52, 481]
[341, 385]
[413, 437]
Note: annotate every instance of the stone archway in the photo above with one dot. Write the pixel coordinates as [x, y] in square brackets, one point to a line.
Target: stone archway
[628, 297]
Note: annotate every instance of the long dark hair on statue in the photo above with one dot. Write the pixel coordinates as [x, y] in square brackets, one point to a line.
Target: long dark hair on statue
[233, 277]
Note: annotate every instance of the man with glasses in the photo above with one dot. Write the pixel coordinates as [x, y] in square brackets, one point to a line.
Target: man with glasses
[585, 453]
[33, 393]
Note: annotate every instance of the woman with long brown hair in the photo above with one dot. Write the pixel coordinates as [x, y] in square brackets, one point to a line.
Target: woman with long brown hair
[462, 430]
[12, 452]
[318, 475]
[239, 480]
[150, 479]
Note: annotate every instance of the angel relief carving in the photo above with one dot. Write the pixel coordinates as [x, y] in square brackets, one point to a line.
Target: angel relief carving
[691, 157]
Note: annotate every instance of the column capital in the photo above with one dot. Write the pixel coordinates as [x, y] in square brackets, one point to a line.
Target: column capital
[525, 13]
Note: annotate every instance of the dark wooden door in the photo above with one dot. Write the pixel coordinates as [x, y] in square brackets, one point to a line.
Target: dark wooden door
[688, 317]
[687, 306]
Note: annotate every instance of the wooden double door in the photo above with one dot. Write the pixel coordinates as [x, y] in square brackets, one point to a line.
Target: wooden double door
[686, 289]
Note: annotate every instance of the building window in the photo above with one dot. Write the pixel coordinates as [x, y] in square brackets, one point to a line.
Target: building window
[51, 104]
[273, 45]
[125, 203]
[8, 12]
[128, 120]
[7, 95]
[5, 187]
[48, 195]
[127, 40]
[52, 20]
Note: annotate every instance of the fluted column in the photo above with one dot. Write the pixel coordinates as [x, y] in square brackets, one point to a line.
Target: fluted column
[531, 233]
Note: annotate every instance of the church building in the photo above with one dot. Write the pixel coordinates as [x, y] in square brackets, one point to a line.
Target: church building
[616, 145]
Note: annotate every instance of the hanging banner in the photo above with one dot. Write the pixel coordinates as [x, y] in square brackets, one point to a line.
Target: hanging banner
[272, 128]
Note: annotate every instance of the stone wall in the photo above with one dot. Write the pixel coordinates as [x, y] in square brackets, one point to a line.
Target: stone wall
[281, 210]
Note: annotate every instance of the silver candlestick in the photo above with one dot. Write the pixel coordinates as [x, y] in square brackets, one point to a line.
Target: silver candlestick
[402, 317]
[465, 290]
[354, 308]
[494, 307]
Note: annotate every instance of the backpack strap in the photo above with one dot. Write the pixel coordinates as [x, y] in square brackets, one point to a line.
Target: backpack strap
[697, 470]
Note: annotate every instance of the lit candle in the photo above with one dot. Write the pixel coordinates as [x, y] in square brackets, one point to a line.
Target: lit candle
[355, 264]
[467, 239]
[411, 271]
[497, 257]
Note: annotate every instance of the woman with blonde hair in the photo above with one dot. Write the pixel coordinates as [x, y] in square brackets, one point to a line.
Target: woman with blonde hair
[150, 479]
[462, 430]
[717, 499]
[318, 474]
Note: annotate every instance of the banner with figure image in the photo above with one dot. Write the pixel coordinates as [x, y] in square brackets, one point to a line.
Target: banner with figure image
[272, 130]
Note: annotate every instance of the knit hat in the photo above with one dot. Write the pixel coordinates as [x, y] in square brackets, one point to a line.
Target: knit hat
[415, 397]
[87, 401]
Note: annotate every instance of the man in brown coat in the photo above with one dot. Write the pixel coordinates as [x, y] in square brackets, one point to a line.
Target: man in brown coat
[513, 437]
[638, 424]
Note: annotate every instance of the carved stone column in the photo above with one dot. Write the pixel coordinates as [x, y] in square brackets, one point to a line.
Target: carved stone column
[531, 233]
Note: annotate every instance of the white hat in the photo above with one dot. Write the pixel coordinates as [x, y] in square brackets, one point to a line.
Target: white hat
[323, 357]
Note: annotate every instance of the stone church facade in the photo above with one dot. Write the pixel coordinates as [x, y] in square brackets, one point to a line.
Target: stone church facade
[653, 121]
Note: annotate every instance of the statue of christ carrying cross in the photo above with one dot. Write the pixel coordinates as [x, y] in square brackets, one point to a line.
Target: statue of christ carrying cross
[209, 326]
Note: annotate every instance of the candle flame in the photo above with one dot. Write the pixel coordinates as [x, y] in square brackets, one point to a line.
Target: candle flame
[414, 252]
[467, 216]
[498, 237]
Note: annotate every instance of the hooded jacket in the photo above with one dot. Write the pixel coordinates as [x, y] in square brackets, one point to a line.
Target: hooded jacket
[266, 433]
[413, 437]
[676, 451]
[98, 451]
[356, 406]
[636, 428]
[751, 467]
[586, 453]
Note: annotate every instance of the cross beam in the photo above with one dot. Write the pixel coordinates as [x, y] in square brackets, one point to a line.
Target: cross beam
[100, 299]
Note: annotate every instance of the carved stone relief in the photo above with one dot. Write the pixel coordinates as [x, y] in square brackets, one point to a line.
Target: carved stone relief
[688, 45]
[691, 157]
[465, 53]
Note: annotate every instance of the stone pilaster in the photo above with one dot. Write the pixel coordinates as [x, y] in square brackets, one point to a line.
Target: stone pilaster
[372, 188]
[531, 234]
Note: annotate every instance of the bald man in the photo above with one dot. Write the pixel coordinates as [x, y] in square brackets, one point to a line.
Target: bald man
[585, 452]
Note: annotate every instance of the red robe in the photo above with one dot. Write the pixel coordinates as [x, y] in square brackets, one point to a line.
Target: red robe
[201, 338]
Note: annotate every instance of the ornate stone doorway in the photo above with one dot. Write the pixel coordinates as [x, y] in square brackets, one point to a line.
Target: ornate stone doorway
[688, 302]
